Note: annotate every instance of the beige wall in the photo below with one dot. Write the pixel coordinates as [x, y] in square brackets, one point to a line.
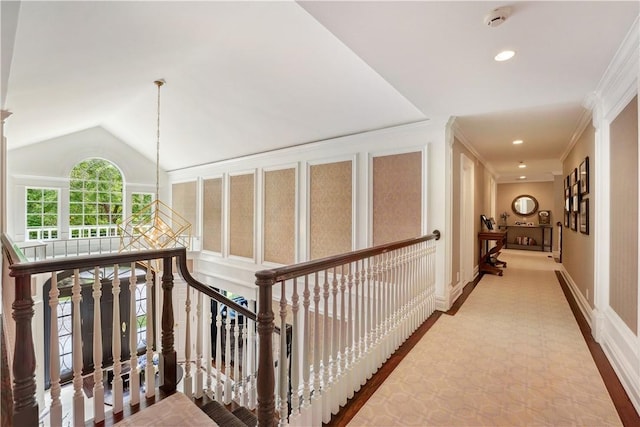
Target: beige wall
[480, 197]
[578, 248]
[542, 191]
[623, 288]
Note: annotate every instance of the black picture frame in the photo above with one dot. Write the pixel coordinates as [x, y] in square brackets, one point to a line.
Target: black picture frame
[584, 216]
[584, 176]
[566, 218]
[574, 176]
[575, 197]
[573, 219]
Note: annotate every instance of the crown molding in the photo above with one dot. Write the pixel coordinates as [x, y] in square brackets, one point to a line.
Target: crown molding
[585, 118]
[459, 134]
[619, 83]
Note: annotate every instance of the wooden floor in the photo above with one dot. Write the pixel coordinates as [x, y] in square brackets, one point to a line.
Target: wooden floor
[623, 404]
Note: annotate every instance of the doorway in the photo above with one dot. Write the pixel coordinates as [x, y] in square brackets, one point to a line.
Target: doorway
[467, 218]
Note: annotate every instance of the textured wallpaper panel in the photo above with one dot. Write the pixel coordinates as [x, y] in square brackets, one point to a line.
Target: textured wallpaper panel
[623, 291]
[330, 209]
[279, 216]
[241, 215]
[183, 201]
[212, 215]
[397, 197]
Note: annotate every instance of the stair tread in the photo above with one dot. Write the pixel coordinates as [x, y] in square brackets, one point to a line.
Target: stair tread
[246, 416]
[221, 415]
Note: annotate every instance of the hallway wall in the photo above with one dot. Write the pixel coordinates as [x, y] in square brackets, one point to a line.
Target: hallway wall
[482, 194]
[623, 289]
[577, 247]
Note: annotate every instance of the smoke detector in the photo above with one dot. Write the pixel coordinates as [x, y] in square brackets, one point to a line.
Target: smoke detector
[497, 16]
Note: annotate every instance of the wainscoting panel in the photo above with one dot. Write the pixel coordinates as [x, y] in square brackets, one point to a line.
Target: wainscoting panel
[212, 215]
[330, 209]
[279, 216]
[241, 215]
[397, 197]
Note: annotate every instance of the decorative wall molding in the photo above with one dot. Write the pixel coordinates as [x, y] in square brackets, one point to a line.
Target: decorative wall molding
[620, 81]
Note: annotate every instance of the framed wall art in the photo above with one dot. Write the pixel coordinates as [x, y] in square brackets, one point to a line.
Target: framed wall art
[575, 197]
[584, 176]
[584, 216]
[573, 220]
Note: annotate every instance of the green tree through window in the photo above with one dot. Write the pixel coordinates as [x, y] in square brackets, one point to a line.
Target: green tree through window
[95, 199]
[42, 214]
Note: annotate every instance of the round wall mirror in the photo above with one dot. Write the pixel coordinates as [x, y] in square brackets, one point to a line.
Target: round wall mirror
[524, 205]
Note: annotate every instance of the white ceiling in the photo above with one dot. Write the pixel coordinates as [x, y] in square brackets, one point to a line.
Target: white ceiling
[246, 77]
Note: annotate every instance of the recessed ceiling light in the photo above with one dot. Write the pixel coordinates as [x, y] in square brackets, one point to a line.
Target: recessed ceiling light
[518, 142]
[522, 166]
[504, 55]
[523, 177]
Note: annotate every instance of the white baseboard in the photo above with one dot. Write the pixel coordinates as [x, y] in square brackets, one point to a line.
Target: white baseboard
[442, 303]
[580, 299]
[619, 343]
[622, 347]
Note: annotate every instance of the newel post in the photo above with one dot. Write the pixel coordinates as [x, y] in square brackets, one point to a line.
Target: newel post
[168, 352]
[25, 406]
[266, 376]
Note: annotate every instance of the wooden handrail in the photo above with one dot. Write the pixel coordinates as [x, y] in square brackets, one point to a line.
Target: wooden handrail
[297, 270]
[20, 266]
[266, 279]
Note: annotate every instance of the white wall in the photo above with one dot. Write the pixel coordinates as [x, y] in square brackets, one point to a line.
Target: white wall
[48, 164]
[223, 271]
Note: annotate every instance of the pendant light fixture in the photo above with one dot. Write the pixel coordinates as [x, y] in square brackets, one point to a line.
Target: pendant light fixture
[156, 225]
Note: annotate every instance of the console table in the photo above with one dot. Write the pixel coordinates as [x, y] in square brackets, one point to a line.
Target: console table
[540, 246]
[488, 263]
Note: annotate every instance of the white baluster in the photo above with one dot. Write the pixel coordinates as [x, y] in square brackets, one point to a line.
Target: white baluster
[244, 378]
[349, 322]
[188, 380]
[219, 332]
[326, 346]
[251, 363]
[78, 398]
[357, 325]
[98, 387]
[116, 347]
[227, 358]
[306, 344]
[335, 344]
[317, 355]
[149, 370]
[237, 380]
[342, 349]
[209, 345]
[54, 349]
[282, 362]
[199, 338]
[134, 378]
[295, 356]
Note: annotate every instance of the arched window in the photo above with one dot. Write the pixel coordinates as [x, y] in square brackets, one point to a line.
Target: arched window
[95, 199]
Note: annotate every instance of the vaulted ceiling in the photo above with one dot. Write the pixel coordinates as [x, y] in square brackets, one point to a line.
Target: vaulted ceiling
[247, 77]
